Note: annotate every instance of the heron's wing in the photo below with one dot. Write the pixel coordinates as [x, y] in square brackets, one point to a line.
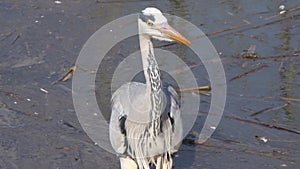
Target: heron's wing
[126, 97]
[175, 118]
[126, 103]
[117, 131]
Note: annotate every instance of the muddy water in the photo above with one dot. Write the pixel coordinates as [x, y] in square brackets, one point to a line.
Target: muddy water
[40, 39]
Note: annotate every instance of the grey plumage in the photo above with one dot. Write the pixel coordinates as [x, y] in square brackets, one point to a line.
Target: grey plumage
[145, 124]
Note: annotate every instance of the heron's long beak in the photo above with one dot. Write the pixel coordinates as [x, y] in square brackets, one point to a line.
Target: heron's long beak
[173, 34]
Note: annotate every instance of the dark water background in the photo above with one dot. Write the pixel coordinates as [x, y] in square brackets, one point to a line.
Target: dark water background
[39, 40]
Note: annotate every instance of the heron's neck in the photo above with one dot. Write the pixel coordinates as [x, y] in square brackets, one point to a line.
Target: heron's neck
[153, 82]
[151, 70]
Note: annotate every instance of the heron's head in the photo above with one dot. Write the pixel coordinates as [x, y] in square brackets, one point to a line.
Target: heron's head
[154, 24]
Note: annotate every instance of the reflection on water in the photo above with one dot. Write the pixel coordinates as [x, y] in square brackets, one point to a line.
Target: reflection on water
[286, 38]
[179, 8]
[288, 89]
[235, 5]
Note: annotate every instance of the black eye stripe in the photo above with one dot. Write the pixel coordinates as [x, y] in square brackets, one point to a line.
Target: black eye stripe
[145, 18]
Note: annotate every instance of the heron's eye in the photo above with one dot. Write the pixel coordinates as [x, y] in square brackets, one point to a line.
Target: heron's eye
[149, 23]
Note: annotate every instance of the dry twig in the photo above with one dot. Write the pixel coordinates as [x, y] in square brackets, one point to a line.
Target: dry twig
[269, 109]
[263, 124]
[68, 75]
[199, 89]
[249, 71]
[280, 56]
[290, 99]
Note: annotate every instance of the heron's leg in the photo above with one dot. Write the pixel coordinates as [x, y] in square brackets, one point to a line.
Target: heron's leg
[162, 163]
[168, 164]
[158, 162]
[128, 163]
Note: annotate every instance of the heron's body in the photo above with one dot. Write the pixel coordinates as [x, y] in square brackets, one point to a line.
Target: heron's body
[145, 125]
[135, 141]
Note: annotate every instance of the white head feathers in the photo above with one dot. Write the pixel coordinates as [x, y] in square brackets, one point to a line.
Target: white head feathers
[156, 14]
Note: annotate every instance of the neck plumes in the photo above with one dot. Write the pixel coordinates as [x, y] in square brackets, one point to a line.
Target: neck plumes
[153, 83]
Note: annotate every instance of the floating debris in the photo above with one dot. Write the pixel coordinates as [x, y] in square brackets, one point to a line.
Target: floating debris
[200, 88]
[67, 76]
[244, 65]
[44, 90]
[282, 12]
[58, 2]
[281, 7]
[246, 21]
[63, 148]
[213, 127]
[204, 90]
[250, 53]
[290, 99]
[263, 139]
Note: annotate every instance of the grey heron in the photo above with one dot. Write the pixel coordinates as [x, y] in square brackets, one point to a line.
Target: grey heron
[145, 124]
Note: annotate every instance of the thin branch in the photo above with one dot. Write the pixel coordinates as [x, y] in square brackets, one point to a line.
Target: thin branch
[249, 71]
[290, 99]
[269, 23]
[263, 124]
[269, 109]
[247, 26]
[294, 9]
[227, 29]
[242, 26]
[280, 56]
[200, 88]
[14, 41]
[260, 111]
